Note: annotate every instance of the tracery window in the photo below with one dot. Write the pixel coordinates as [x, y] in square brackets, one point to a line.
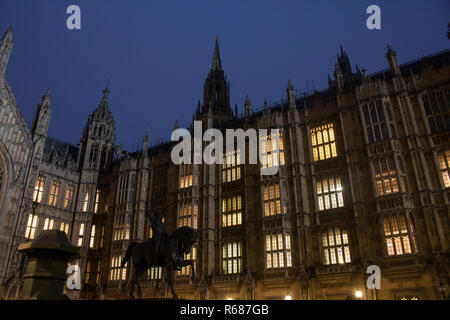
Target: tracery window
[335, 246]
[273, 203]
[68, 200]
[232, 258]
[81, 235]
[231, 211]
[54, 193]
[85, 201]
[188, 214]
[378, 121]
[437, 111]
[329, 193]
[399, 234]
[323, 142]
[39, 189]
[64, 227]
[272, 151]
[186, 175]
[231, 170]
[278, 251]
[48, 223]
[444, 166]
[388, 179]
[32, 222]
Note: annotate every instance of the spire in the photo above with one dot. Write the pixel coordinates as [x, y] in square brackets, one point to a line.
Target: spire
[217, 64]
[247, 106]
[391, 55]
[290, 94]
[42, 115]
[6, 45]
[105, 95]
[145, 143]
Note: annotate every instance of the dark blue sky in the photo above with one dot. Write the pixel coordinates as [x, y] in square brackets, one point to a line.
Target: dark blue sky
[157, 53]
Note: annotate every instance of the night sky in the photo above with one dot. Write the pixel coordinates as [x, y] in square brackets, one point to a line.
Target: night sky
[157, 54]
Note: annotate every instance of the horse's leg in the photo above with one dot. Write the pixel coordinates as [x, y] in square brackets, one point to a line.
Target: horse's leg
[138, 277]
[192, 270]
[132, 283]
[170, 278]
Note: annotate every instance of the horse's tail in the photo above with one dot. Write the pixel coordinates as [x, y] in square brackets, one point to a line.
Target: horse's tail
[128, 253]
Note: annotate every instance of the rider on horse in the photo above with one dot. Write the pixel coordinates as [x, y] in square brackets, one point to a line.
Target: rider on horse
[159, 230]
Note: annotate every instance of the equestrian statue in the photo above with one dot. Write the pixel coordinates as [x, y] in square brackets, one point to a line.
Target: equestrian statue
[162, 250]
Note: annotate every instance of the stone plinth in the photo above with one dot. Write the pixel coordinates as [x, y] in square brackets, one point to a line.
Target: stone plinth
[47, 257]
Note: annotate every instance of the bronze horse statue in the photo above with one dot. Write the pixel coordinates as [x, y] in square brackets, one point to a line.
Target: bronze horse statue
[170, 257]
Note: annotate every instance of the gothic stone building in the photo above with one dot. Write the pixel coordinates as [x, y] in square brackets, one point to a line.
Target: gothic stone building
[363, 179]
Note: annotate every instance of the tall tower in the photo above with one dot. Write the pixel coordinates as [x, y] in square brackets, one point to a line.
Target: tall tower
[98, 137]
[6, 45]
[216, 94]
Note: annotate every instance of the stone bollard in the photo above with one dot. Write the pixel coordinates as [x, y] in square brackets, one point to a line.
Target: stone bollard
[47, 255]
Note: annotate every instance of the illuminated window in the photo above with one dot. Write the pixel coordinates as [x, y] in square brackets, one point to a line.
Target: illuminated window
[97, 198]
[102, 236]
[335, 246]
[323, 142]
[231, 211]
[272, 150]
[122, 227]
[278, 251]
[64, 227]
[117, 273]
[329, 193]
[232, 258]
[186, 216]
[186, 176]
[85, 201]
[68, 200]
[378, 122]
[190, 256]
[92, 239]
[387, 179]
[80, 235]
[99, 271]
[87, 274]
[231, 170]
[48, 224]
[123, 188]
[444, 165]
[54, 192]
[399, 235]
[272, 200]
[39, 189]
[437, 111]
[32, 222]
[154, 273]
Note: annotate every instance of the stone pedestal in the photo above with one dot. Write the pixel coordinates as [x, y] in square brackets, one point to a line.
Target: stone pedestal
[47, 255]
